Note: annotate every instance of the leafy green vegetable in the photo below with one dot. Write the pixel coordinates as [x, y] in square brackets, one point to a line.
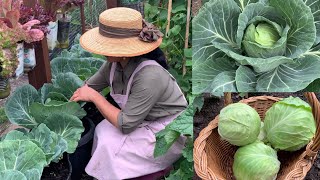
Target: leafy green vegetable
[239, 124]
[256, 45]
[289, 124]
[256, 161]
[22, 156]
[82, 67]
[17, 106]
[69, 127]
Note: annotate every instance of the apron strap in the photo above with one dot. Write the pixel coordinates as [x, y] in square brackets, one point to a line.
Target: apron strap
[140, 66]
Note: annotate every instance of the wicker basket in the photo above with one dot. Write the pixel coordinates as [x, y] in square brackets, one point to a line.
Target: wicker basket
[213, 157]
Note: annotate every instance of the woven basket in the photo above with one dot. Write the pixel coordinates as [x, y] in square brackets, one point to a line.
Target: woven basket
[213, 157]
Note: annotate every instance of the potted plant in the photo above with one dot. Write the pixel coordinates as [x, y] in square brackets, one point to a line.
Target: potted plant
[31, 13]
[12, 32]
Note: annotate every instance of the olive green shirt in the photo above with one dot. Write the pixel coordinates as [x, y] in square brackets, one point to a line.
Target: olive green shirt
[153, 93]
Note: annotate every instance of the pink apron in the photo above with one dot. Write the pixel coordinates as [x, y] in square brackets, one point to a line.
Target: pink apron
[122, 156]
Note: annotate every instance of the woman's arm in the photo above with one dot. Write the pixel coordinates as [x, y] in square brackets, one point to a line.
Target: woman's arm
[88, 94]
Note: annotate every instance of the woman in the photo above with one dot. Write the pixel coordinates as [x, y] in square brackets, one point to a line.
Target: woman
[148, 96]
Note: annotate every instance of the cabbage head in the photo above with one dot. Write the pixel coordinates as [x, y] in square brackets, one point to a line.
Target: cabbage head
[256, 45]
[289, 124]
[239, 124]
[256, 161]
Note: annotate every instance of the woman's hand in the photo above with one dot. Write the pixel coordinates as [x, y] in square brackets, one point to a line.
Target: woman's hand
[85, 93]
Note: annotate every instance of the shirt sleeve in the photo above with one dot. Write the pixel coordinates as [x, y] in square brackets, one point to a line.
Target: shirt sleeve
[100, 79]
[147, 87]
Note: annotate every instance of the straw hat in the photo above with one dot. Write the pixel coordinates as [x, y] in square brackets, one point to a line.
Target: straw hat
[121, 33]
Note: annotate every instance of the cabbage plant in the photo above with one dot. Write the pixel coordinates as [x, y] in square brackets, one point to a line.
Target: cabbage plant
[239, 124]
[256, 161]
[289, 124]
[256, 45]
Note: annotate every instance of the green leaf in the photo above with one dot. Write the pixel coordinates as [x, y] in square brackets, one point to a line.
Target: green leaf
[175, 30]
[68, 126]
[164, 140]
[224, 82]
[244, 3]
[314, 86]
[179, 9]
[33, 174]
[315, 6]
[184, 122]
[187, 152]
[246, 79]
[12, 175]
[259, 64]
[17, 105]
[216, 21]
[45, 90]
[67, 84]
[290, 77]
[204, 74]
[48, 141]
[302, 31]
[188, 53]
[21, 155]
[42, 111]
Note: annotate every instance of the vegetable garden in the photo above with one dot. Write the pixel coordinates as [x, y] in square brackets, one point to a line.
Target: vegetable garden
[43, 134]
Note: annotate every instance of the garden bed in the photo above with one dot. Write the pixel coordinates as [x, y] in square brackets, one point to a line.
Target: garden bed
[212, 107]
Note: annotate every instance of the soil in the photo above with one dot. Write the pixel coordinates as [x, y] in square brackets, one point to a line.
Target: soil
[57, 171]
[213, 105]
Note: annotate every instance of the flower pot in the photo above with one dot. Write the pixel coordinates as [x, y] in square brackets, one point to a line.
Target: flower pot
[80, 158]
[52, 35]
[60, 170]
[29, 59]
[4, 87]
[64, 22]
[20, 56]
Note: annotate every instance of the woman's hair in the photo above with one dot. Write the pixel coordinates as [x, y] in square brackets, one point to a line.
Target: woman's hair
[158, 56]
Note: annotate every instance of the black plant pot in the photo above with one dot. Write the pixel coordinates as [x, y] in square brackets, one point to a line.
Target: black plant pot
[80, 158]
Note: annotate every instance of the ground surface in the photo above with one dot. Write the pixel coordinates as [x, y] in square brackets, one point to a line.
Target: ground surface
[212, 107]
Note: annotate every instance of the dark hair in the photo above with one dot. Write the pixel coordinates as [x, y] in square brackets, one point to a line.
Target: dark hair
[158, 56]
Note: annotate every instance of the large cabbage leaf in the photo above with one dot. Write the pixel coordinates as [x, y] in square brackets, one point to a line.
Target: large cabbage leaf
[67, 84]
[42, 111]
[17, 106]
[12, 175]
[21, 155]
[260, 45]
[82, 67]
[69, 127]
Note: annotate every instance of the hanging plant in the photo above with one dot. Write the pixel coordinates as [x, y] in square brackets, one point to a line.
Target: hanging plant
[12, 32]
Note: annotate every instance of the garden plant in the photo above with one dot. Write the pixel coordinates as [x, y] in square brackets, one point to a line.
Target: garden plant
[256, 45]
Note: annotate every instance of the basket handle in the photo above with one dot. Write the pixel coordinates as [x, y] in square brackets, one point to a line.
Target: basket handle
[315, 105]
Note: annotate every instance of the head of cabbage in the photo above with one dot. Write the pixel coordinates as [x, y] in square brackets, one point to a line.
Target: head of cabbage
[289, 124]
[256, 161]
[239, 124]
[256, 45]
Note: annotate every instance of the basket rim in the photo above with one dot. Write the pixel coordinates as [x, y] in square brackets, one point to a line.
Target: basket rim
[200, 156]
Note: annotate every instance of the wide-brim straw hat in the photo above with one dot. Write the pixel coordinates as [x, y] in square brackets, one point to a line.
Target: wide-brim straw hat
[118, 34]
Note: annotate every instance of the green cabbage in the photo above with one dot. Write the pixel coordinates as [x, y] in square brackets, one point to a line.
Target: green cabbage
[256, 161]
[256, 45]
[239, 124]
[289, 124]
